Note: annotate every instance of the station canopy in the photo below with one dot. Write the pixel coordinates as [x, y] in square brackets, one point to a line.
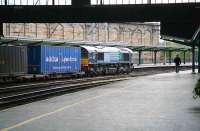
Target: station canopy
[28, 41]
[193, 41]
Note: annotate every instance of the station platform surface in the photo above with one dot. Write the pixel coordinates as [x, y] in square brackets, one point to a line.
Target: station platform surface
[161, 102]
[160, 65]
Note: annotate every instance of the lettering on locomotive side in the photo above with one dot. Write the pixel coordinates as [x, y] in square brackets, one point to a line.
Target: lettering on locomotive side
[62, 59]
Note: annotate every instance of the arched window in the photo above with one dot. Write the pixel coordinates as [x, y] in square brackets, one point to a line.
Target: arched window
[137, 37]
[69, 32]
[78, 32]
[113, 34]
[56, 31]
[147, 37]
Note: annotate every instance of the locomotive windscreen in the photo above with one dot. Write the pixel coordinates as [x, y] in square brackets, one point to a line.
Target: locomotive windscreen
[84, 53]
[126, 57]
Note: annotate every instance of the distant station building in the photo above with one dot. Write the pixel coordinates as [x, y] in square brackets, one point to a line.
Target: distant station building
[132, 33]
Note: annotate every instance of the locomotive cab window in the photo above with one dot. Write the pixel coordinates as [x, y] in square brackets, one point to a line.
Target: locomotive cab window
[100, 56]
[84, 53]
[126, 57]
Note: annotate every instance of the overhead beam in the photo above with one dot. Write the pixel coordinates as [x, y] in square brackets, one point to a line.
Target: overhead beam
[80, 3]
[84, 12]
[180, 29]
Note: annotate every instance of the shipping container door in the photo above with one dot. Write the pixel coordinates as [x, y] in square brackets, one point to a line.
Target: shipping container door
[34, 59]
[18, 59]
[49, 60]
[76, 55]
[9, 59]
[13, 60]
[67, 51]
[71, 64]
[2, 59]
[55, 51]
[62, 59]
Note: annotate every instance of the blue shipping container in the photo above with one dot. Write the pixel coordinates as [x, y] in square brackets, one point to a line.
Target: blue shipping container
[45, 59]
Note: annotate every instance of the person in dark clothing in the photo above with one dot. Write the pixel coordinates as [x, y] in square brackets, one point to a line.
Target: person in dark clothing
[177, 62]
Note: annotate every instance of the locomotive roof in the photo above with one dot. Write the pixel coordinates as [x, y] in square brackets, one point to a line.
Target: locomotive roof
[106, 49]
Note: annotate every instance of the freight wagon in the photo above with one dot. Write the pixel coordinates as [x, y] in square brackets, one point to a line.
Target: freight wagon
[43, 59]
[13, 61]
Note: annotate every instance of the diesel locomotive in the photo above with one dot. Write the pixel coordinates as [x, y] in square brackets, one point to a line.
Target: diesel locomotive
[106, 60]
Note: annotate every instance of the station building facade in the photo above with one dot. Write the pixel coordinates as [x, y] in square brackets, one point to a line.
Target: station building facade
[132, 33]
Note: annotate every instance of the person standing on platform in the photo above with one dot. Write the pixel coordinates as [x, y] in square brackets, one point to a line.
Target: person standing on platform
[177, 62]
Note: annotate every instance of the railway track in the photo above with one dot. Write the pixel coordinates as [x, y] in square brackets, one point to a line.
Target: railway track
[13, 95]
[16, 95]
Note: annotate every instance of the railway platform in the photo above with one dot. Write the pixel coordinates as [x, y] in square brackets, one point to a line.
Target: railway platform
[161, 102]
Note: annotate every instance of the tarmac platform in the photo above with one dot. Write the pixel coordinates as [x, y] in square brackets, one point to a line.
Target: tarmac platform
[161, 102]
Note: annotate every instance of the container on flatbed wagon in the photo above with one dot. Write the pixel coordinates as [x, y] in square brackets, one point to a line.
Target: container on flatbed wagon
[13, 60]
[44, 59]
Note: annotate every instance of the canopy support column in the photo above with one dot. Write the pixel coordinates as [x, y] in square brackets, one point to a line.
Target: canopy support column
[184, 56]
[164, 57]
[193, 58]
[80, 3]
[140, 53]
[170, 57]
[198, 58]
[155, 57]
[1, 29]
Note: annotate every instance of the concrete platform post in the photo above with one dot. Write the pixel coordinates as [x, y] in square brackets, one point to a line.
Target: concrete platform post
[53, 2]
[140, 53]
[170, 57]
[184, 56]
[193, 58]
[155, 57]
[5, 2]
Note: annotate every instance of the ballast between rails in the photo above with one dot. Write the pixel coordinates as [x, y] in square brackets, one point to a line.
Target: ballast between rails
[33, 94]
[11, 88]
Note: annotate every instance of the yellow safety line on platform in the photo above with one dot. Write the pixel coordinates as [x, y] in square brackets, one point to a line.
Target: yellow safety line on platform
[56, 111]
